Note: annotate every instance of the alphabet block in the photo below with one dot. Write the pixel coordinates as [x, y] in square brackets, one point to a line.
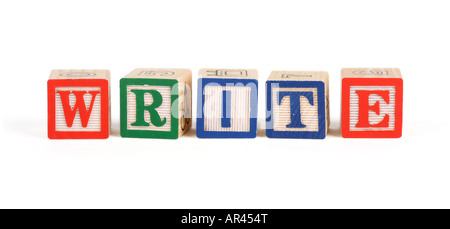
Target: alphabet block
[372, 101]
[297, 104]
[227, 103]
[156, 103]
[78, 104]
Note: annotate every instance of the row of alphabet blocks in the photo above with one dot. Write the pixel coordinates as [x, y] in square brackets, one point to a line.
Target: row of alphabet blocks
[156, 103]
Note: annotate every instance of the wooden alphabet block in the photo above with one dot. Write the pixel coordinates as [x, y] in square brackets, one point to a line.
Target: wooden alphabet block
[372, 101]
[156, 103]
[227, 103]
[297, 104]
[78, 104]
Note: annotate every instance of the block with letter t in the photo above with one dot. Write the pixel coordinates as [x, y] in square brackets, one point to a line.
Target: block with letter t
[227, 103]
[156, 103]
[372, 101]
[78, 104]
[297, 104]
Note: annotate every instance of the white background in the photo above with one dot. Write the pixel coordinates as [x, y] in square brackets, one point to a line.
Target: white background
[38, 36]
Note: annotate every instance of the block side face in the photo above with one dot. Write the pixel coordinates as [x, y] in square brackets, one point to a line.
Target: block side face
[160, 73]
[73, 74]
[327, 105]
[371, 73]
[236, 118]
[185, 108]
[299, 76]
[78, 109]
[296, 109]
[372, 107]
[149, 108]
[219, 73]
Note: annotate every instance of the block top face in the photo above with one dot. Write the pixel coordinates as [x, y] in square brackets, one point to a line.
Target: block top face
[219, 73]
[299, 76]
[159, 73]
[61, 74]
[371, 73]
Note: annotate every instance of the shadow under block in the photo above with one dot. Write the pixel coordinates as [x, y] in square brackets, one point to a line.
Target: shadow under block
[79, 104]
[372, 101]
[156, 103]
[227, 103]
[297, 104]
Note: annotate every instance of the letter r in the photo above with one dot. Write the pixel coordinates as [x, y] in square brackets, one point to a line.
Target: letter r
[155, 118]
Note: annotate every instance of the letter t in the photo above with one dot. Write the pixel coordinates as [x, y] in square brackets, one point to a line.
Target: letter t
[296, 120]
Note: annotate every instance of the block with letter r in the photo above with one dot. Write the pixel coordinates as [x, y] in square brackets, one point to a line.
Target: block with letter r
[78, 104]
[372, 100]
[156, 103]
[227, 103]
[297, 104]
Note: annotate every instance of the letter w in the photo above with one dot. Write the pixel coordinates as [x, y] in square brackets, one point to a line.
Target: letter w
[80, 105]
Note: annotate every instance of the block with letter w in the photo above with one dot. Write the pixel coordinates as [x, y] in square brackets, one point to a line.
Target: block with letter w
[78, 104]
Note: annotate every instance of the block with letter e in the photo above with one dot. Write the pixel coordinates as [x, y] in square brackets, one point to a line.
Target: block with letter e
[227, 103]
[78, 104]
[156, 103]
[297, 104]
[372, 100]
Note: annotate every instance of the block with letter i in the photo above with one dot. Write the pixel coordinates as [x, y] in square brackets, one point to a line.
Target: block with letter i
[79, 104]
[297, 104]
[372, 101]
[156, 103]
[227, 103]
